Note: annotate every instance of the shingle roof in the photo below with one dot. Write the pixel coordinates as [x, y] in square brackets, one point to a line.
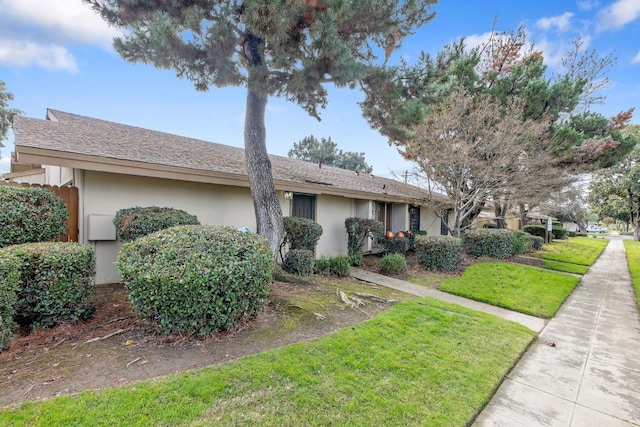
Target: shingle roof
[80, 135]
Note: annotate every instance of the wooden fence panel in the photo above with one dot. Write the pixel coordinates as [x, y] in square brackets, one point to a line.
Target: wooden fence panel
[69, 196]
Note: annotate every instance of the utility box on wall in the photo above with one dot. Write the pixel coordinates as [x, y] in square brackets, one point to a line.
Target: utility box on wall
[100, 227]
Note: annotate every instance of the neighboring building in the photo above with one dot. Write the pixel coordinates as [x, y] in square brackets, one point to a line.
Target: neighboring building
[116, 166]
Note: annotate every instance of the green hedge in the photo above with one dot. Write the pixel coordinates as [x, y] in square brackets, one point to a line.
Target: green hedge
[540, 230]
[299, 262]
[301, 233]
[56, 282]
[9, 282]
[396, 245]
[133, 223]
[338, 266]
[521, 242]
[393, 264]
[197, 280]
[496, 243]
[439, 253]
[537, 242]
[30, 215]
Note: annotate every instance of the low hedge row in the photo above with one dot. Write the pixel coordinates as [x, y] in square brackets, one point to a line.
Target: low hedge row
[337, 266]
[30, 215]
[438, 253]
[197, 280]
[9, 282]
[133, 223]
[496, 243]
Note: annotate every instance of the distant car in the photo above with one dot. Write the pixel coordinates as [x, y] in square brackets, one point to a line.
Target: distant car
[596, 229]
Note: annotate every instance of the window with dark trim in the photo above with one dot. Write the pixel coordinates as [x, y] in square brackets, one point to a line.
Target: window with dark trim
[414, 218]
[304, 206]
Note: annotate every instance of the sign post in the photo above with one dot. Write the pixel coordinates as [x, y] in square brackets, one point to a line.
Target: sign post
[548, 233]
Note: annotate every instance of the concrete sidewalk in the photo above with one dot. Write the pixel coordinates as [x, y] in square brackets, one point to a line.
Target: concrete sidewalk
[584, 369]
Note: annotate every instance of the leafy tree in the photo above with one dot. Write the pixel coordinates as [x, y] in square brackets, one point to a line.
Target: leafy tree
[399, 99]
[569, 205]
[325, 152]
[6, 113]
[288, 49]
[615, 192]
[471, 146]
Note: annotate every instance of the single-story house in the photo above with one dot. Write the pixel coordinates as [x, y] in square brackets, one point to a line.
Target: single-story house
[115, 166]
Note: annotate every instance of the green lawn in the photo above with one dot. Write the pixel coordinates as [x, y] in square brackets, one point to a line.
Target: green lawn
[422, 362]
[573, 256]
[633, 258]
[516, 287]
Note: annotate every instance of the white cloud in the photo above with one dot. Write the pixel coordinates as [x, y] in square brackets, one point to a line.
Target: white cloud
[69, 20]
[5, 164]
[476, 40]
[618, 14]
[588, 4]
[636, 59]
[560, 22]
[17, 53]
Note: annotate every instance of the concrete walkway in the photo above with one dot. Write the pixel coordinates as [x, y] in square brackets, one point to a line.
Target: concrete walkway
[533, 323]
[584, 369]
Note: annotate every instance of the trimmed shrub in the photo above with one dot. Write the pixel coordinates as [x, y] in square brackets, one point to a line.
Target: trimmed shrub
[571, 234]
[488, 242]
[521, 242]
[340, 266]
[30, 215]
[491, 225]
[412, 238]
[133, 223]
[358, 230]
[301, 233]
[299, 262]
[197, 280]
[323, 265]
[396, 245]
[393, 264]
[9, 281]
[355, 260]
[559, 233]
[56, 283]
[535, 230]
[439, 253]
[536, 242]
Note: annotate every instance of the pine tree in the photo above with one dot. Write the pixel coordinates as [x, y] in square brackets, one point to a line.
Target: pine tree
[287, 48]
[6, 113]
[326, 152]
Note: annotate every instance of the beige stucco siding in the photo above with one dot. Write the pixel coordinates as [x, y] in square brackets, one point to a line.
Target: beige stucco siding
[429, 222]
[105, 194]
[331, 211]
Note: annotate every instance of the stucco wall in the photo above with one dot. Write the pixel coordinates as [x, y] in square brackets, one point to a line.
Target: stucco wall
[331, 211]
[429, 222]
[105, 194]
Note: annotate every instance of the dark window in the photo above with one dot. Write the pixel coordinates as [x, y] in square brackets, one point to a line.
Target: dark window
[304, 206]
[444, 230]
[384, 215]
[414, 218]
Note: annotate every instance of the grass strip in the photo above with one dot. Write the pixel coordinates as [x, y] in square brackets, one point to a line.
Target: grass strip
[579, 250]
[515, 287]
[566, 267]
[422, 362]
[632, 248]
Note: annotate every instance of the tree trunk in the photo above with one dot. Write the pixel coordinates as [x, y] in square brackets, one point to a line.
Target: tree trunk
[500, 210]
[265, 201]
[523, 215]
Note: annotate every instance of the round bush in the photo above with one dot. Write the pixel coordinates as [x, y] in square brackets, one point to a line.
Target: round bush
[521, 242]
[56, 282]
[535, 229]
[299, 262]
[30, 215]
[301, 233]
[439, 253]
[197, 280]
[393, 264]
[496, 243]
[396, 245]
[536, 242]
[133, 223]
[9, 280]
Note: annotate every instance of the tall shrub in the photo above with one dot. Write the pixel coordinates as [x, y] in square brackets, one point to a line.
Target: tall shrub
[56, 282]
[197, 280]
[30, 215]
[299, 262]
[438, 253]
[358, 230]
[133, 223]
[301, 233]
[9, 281]
[497, 243]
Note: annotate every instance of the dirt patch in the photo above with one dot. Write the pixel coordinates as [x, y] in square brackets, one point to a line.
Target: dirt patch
[116, 347]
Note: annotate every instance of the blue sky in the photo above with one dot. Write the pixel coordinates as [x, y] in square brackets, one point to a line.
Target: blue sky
[57, 54]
